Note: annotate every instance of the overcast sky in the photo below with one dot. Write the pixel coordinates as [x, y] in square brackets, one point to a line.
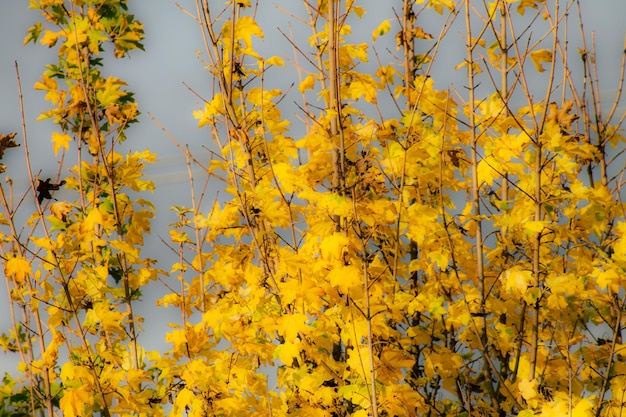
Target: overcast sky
[156, 76]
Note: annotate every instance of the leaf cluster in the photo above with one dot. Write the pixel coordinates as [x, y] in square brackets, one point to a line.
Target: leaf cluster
[395, 248]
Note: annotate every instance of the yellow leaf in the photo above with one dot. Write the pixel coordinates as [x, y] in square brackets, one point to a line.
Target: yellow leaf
[60, 210]
[517, 279]
[359, 360]
[440, 258]
[558, 407]
[274, 60]
[43, 242]
[94, 217]
[109, 91]
[50, 355]
[521, 8]
[418, 32]
[178, 237]
[488, 170]
[17, 268]
[33, 33]
[382, 29]
[211, 109]
[363, 87]
[528, 388]
[355, 51]
[584, 408]
[540, 56]
[49, 85]
[436, 308]
[607, 278]
[287, 352]
[307, 84]
[286, 176]
[332, 247]
[292, 324]
[245, 28]
[345, 277]
[438, 5]
[397, 358]
[533, 226]
[184, 399]
[107, 317]
[74, 400]
[50, 38]
[359, 11]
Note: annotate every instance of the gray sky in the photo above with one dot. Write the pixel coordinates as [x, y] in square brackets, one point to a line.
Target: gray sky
[156, 77]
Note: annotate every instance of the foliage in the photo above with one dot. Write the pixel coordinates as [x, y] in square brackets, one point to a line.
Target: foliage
[403, 249]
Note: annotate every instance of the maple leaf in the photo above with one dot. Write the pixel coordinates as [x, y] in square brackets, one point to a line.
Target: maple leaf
[540, 56]
[17, 267]
[6, 141]
[109, 91]
[561, 116]
[287, 352]
[44, 188]
[74, 400]
[60, 141]
[60, 210]
[528, 390]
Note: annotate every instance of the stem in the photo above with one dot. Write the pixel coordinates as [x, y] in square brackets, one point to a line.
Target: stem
[46, 371]
[480, 274]
[334, 105]
[504, 90]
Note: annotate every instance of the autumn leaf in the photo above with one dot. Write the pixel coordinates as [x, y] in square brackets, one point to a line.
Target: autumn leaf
[523, 4]
[392, 242]
[60, 210]
[418, 33]
[109, 91]
[60, 140]
[383, 28]
[44, 188]
[113, 114]
[74, 401]
[584, 408]
[364, 87]
[50, 38]
[44, 242]
[307, 84]
[34, 32]
[245, 28]
[438, 5]
[528, 391]
[287, 352]
[17, 268]
[517, 279]
[539, 57]
[6, 142]
[178, 237]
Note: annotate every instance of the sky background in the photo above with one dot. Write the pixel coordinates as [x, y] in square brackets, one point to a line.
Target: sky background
[157, 75]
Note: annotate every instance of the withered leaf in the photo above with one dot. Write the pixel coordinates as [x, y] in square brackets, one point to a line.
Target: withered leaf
[6, 141]
[44, 188]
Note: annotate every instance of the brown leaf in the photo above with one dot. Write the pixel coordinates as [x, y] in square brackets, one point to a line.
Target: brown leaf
[6, 141]
[44, 188]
